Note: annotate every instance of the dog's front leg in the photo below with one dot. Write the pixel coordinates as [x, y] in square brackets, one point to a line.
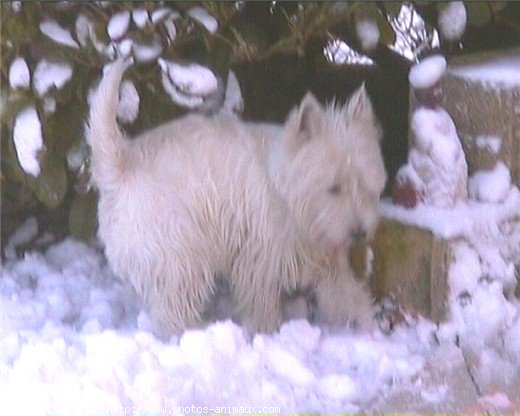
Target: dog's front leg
[343, 300]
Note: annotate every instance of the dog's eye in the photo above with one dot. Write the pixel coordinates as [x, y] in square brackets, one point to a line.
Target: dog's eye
[335, 189]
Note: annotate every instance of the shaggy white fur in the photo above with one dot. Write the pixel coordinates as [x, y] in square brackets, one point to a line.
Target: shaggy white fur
[270, 209]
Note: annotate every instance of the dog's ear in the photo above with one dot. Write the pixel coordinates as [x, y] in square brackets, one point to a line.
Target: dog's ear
[305, 122]
[359, 106]
[360, 116]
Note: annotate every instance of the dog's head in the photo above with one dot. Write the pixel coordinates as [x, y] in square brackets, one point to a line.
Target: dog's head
[333, 169]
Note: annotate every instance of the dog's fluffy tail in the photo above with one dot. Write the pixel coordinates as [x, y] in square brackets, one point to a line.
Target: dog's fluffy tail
[103, 134]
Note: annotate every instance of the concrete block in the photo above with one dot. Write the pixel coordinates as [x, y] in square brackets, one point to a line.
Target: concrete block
[411, 265]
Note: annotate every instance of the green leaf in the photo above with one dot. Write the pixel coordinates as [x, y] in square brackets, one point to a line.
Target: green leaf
[50, 186]
[83, 216]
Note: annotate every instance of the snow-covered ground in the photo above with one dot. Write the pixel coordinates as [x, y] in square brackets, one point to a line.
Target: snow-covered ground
[75, 341]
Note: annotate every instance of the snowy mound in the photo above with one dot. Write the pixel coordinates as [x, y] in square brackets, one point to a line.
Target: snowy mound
[428, 72]
[75, 342]
[437, 157]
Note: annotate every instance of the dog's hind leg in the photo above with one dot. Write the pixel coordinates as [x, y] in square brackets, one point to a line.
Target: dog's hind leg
[180, 302]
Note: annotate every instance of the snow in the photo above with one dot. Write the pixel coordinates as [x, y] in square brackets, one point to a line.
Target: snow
[501, 72]
[437, 158]
[193, 79]
[118, 25]
[54, 31]
[161, 13]
[489, 143]
[368, 34]
[82, 26]
[147, 52]
[19, 76]
[17, 6]
[202, 16]
[171, 29]
[492, 185]
[76, 341]
[72, 341]
[140, 17]
[28, 140]
[428, 72]
[49, 105]
[24, 234]
[452, 20]
[128, 107]
[124, 47]
[457, 222]
[50, 74]
[188, 85]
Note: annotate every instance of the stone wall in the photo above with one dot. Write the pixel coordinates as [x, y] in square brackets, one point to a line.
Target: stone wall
[482, 109]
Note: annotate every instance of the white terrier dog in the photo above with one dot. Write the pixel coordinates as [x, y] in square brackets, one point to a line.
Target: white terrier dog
[271, 209]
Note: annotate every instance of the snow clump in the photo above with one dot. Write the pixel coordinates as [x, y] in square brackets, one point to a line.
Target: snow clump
[491, 185]
[19, 76]
[118, 25]
[428, 72]
[140, 17]
[202, 16]
[489, 143]
[452, 20]
[28, 140]
[188, 85]
[54, 31]
[50, 74]
[147, 52]
[368, 34]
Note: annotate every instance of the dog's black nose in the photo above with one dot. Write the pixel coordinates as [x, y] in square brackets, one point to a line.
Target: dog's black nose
[358, 235]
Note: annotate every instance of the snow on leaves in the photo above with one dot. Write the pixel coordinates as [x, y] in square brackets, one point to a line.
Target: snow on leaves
[28, 140]
[54, 31]
[188, 85]
[202, 16]
[50, 74]
[452, 20]
[19, 76]
[118, 25]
